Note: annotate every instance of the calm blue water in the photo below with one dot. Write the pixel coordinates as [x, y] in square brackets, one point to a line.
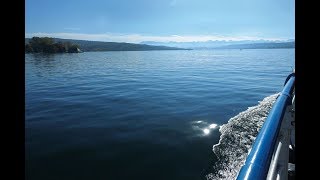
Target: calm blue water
[140, 114]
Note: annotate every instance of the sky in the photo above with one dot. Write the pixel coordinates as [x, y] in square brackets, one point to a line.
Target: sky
[161, 20]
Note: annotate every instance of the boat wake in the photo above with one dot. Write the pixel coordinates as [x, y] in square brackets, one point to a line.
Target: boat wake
[236, 139]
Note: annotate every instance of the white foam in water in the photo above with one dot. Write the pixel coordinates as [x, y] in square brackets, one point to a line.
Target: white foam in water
[236, 139]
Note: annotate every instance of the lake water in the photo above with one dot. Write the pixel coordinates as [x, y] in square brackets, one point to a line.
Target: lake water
[146, 114]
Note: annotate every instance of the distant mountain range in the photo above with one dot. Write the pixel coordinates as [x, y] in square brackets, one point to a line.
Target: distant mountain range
[244, 44]
[260, 46]
[152, 45]
[112, 46]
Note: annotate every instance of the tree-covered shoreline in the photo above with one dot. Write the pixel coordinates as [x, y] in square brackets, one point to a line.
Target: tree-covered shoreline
[94, 46]
[48, 45]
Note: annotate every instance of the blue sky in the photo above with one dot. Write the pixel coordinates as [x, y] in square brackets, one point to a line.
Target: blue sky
[161, 20]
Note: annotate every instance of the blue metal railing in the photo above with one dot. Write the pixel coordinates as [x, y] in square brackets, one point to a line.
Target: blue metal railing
[258, 161]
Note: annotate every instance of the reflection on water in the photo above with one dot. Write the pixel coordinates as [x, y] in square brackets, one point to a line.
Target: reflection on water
[139, 115]
[203, 127]
[212, 126]
[206, 131]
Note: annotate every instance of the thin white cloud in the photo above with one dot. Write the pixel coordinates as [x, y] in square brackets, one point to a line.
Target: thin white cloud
[137, 38]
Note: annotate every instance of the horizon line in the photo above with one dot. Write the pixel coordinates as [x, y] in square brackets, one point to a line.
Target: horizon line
[138, 38]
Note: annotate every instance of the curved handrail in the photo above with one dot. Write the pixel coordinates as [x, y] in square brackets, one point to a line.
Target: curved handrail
[258, 161]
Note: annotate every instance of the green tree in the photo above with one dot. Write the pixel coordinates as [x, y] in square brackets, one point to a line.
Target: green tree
[74, 48]
[47, 45]
[28, 48]
[60, 47]
[35, 44]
